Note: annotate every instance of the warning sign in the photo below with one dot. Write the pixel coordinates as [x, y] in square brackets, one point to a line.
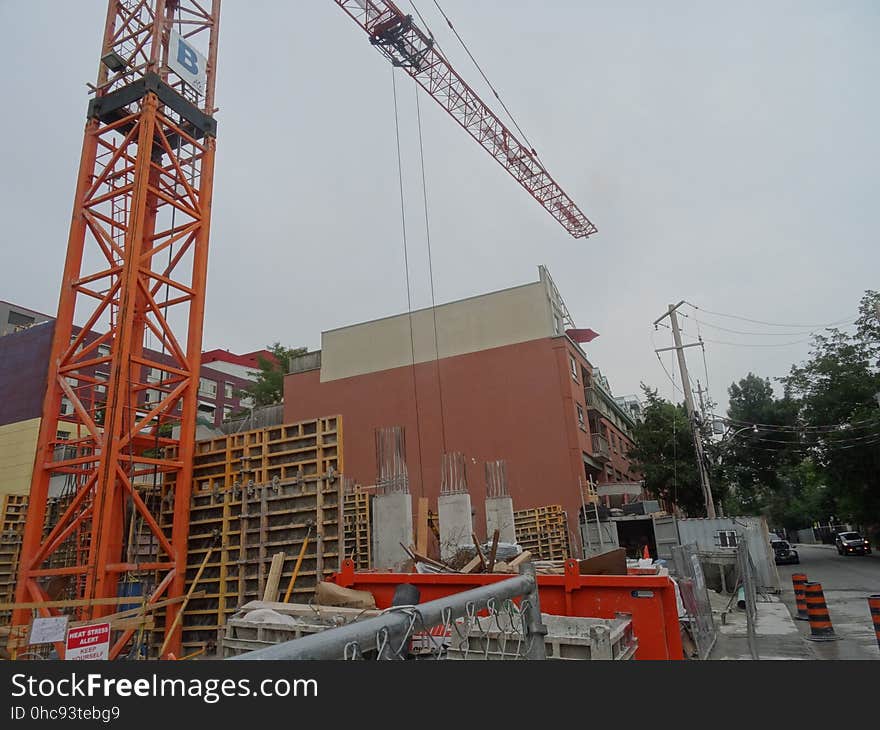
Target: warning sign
[88, 642]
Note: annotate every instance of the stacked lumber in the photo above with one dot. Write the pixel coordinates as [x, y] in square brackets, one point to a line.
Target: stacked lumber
[13, 508]
[543, 531]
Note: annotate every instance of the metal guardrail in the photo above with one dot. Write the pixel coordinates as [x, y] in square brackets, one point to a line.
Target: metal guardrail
[394, 634]
[601, 449]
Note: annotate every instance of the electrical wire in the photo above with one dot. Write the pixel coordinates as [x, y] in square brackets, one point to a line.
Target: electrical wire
[764, 344]
[768, 324]
[820, 427]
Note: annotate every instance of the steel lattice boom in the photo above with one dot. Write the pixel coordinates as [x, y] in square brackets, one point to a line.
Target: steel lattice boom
[398, 38]
[134, 282]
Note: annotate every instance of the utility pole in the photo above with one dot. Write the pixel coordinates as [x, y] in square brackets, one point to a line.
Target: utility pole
[689, 404]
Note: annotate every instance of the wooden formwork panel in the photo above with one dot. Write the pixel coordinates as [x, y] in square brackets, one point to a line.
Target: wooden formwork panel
[13, 509]
[248, 525]
[289, 451]
[358, 531]
[543, 531]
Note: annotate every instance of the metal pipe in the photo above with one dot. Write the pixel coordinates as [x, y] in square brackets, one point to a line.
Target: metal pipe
[331, 644]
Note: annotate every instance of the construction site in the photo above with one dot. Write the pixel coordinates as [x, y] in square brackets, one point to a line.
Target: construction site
[396, 504]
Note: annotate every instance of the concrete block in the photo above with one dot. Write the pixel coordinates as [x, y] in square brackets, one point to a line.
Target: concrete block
[456, 522]
[392, 525]
[499, 516]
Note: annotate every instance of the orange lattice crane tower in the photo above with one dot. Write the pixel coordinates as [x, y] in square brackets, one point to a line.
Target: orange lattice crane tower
[134, 280]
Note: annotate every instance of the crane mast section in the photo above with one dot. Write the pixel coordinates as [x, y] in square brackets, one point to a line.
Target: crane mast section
[110, 490]
[398, 38]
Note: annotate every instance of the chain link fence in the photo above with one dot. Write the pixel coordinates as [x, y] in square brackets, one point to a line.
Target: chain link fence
[695, 597]
[486, 622]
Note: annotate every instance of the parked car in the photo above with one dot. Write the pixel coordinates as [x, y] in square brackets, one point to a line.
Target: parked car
[783, 552]
[852, 543]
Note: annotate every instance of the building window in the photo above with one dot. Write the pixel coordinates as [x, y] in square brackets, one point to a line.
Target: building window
[574, 368]
[154, 376]
[207, 410]
[227, 412]
[62, 436]
[207, 387]
[228, 390]
[102, 389]
[580, 412]
[104, 350]
[725, 538]
[154, 396]
[19, 321]
[66, 407]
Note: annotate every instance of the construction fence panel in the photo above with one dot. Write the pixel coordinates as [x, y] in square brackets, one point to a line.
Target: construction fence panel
[695, 598]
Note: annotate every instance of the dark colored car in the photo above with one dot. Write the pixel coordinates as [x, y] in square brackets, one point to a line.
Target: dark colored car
[852, 543]
[784, 553]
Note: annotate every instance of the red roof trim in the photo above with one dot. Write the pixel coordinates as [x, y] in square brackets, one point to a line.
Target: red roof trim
[248, 360]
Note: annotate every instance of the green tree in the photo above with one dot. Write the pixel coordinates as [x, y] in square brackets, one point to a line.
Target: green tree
[749, 459]
[268, 388]
[664, 453]
[838, 387]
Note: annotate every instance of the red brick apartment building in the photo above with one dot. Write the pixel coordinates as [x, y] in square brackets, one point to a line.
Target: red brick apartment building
[508, 384]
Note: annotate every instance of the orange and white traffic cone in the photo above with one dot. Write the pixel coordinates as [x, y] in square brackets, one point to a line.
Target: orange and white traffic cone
[645, 554]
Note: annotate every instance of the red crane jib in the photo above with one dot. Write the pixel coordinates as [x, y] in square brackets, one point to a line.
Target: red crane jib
[398, 38]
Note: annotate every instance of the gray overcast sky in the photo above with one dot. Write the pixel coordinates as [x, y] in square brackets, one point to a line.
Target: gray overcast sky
[727, 153]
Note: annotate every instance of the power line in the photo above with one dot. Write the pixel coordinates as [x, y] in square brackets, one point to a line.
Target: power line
[751, 333]
[805, 427]
[766, 344]
[768, 324]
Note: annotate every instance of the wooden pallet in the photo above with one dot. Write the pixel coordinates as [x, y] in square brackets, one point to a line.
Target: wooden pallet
[543, 531]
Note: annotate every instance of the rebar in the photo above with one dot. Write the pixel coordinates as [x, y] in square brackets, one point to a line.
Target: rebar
[496, 479]
[392, 476]
[453, 474]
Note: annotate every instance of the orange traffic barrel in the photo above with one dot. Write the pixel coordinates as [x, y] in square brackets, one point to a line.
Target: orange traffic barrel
[874, 605]
[817, 612]
[799, 581]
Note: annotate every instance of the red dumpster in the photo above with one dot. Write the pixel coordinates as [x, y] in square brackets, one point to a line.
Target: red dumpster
[649, 599]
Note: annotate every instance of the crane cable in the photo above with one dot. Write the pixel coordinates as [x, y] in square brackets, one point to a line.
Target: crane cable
[431, 273]
[408, 290]
[478, 67]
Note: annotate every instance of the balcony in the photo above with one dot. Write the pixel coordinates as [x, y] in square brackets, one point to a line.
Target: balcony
[595, 401]
[600, 448]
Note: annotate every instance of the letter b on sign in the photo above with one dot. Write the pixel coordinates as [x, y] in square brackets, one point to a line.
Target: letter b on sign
[187, 62]
[187, 58]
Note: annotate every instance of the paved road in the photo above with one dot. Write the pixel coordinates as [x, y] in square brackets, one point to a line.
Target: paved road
[846, 582]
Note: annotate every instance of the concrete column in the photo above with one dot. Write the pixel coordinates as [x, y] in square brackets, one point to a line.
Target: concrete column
[499, 516]
[456, 522]
[392, 525]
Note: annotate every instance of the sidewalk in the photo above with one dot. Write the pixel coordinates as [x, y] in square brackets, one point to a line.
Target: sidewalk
[776, 635]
